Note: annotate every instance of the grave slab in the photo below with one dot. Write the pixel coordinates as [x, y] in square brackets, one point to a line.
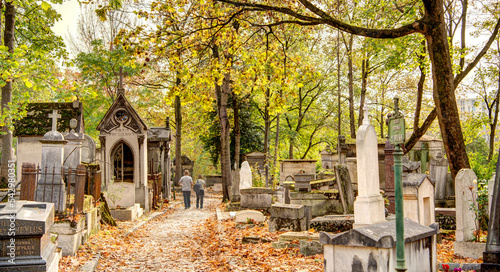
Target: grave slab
[243, 216]
[25, 243]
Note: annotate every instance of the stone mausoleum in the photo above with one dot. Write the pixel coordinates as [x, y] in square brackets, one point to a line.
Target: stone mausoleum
[124, 138]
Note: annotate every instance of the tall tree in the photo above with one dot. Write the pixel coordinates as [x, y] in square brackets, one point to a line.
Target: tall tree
[432, 26]
[8, 41]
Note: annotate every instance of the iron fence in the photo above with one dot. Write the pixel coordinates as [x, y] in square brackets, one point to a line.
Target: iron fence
[64, 187]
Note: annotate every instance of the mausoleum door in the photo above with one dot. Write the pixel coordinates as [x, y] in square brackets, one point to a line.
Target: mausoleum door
[123, 163]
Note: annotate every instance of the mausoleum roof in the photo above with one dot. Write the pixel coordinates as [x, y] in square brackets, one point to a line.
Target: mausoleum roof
[416, 180]
[133, 120]
[37, 121]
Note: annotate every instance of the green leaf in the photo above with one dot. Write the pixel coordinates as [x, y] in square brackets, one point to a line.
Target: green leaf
[45, 5]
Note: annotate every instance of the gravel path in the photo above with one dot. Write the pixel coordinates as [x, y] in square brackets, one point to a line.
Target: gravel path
[163, 244]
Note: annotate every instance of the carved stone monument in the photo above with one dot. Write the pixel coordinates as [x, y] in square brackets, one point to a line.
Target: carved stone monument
[369, 204]
[245, 176]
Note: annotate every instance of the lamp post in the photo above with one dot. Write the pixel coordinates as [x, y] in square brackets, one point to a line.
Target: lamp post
[397, 138]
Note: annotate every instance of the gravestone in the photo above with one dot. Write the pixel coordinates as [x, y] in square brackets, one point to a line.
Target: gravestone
[438, 170]
[246, 215]
[50, 186]
[288, 168]
[345, 188]
[88, 149]
[369, 205]
[25, 243]
[409, 167]
[465, 188]
[245, 176]
[73, 148]
[327, 158]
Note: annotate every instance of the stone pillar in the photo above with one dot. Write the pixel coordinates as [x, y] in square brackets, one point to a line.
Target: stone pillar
[50, 186]
[369, 204]
[465, 188]
[342, 149]
[389, 175]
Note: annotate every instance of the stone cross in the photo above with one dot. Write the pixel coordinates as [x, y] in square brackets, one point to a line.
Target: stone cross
[120, 81]
[54, 115]
[366, 121]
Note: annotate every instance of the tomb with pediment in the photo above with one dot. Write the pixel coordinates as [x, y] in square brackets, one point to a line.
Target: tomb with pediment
[131, 152]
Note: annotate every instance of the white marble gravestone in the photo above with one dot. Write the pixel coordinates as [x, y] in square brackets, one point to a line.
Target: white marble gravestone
[466, 190]
[369, 204]
[245, 176]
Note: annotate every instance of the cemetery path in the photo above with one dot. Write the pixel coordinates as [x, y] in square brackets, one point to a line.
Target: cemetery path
[183, 240]
[163, 244]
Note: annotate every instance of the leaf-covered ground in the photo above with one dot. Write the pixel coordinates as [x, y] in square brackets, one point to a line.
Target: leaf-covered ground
[193, 240]
[188, 240]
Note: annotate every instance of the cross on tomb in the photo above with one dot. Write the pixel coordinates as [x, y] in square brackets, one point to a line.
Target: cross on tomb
[120, 81]
[54, 115]
[366, 121]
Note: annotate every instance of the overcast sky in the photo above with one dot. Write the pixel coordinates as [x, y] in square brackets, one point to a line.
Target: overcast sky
[69, 10]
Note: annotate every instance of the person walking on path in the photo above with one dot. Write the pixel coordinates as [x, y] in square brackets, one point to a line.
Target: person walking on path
[186, 182]
[199, 188]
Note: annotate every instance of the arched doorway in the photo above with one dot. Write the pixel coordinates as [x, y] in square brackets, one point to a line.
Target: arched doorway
[123, 163]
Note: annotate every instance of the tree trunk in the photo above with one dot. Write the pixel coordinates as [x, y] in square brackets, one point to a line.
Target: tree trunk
[364, 83]
[493, 125]
[225, 136]
[267, 124]
[178, 137]
[10, 16]
[444, 95]
[237, 132]
[350, 75]
[222, 95]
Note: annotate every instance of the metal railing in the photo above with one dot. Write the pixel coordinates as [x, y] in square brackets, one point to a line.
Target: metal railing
[64, 187]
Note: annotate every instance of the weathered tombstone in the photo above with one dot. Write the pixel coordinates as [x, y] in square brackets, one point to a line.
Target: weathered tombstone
[245, 176]
[345, 188]
[409, 167]
[246, 215]
[465, 188]
[437, 171]
[327, 158]
[369, 205]
[389, 176]
[289, 217]
[73, 148]
[88, 149]
[50, 186]
[342, 149]
[25, 243]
